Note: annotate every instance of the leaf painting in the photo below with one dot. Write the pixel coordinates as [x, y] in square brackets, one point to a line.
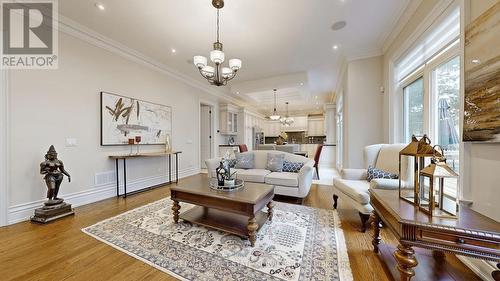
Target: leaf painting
[124, 117]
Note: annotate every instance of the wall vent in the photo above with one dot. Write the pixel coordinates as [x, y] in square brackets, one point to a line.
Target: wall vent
[105, 178]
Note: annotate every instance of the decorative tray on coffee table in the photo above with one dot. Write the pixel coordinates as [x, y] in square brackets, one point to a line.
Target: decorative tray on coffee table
[238, 183]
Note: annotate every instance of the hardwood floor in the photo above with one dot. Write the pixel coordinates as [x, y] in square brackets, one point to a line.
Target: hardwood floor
[60, 251]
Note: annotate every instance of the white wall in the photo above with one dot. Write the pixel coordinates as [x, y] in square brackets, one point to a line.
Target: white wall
[48, 106]
[362, 109]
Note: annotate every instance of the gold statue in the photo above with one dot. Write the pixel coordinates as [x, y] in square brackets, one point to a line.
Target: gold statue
[54, 172]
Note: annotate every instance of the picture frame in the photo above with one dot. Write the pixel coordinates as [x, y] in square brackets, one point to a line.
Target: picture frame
[123, 117]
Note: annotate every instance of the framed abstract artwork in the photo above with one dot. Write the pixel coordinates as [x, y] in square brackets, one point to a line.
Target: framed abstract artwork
[482, 78]
[123, 118]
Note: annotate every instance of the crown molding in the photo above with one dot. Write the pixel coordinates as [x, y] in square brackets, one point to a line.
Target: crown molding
[73, 28]
[364, 54]
[386, 40]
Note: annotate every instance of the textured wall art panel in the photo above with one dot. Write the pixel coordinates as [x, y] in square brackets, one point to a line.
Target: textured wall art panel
[482, 78]
[124, 117]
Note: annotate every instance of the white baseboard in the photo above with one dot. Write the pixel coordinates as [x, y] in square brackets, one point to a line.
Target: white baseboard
[481, 268]
[22, 212]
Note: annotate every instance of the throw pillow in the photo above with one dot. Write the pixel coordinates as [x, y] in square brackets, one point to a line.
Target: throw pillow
[275, 162]
[292, 167]
[244, 160]
[374, 173]
[231, 163]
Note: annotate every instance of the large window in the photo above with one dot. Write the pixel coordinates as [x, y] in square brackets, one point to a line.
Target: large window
[446, 108]
[427, 78]
[414, 108]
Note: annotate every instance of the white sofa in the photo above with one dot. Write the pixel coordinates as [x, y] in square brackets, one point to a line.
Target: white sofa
[285, 183]
[353, 186]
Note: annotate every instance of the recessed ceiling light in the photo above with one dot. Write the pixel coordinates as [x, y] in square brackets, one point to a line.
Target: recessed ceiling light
[100, 6]
[173, 51]
[335, 47]
[339, 25]
[301, 84]
[476, 61]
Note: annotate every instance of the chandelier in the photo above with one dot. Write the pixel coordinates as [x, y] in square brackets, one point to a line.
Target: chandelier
[217, 75]
[275, 115]
[286, 121]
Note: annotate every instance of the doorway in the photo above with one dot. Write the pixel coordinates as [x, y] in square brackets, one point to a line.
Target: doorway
[206, 138]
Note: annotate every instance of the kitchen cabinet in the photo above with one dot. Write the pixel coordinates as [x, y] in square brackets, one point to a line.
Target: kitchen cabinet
[272, 129]
[316, 127]
[228, 120]
[299, 124]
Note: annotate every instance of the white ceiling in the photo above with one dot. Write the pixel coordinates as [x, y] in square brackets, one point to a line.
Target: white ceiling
[273, 38]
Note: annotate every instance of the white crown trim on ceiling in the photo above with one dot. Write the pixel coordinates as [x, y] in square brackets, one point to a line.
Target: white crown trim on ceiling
[81, 32]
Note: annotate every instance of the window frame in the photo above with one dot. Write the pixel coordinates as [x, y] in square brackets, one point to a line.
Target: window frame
[449, 52]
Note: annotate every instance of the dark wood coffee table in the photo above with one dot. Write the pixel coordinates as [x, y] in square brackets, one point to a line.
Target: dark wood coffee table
[236, 212]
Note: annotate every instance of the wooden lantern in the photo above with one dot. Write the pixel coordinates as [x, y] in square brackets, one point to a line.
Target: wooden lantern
[434, 179]
[418, 150]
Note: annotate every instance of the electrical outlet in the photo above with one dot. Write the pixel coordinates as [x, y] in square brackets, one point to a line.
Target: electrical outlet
[71, 142]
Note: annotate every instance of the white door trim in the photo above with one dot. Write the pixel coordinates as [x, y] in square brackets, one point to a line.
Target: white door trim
[213, 125]
[4, 146]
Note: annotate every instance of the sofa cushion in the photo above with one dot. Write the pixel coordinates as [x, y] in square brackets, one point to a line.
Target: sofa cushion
[252, 175]
[356, 189]
[275, 162]
[283, 179]
[292, 167]
[231, 162]
[244, 160]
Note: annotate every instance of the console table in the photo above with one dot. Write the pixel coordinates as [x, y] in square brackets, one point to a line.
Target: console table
[470, 234]
[124, 157]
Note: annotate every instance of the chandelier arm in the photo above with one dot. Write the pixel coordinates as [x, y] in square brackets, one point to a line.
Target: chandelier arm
[202, 74]
[230, 77]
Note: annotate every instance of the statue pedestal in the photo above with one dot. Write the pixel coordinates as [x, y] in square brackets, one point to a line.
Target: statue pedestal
[51, 211]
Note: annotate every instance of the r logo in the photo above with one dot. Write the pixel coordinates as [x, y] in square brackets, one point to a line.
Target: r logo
[28, 28]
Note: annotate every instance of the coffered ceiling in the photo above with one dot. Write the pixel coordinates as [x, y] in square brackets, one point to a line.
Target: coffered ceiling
[273, 38]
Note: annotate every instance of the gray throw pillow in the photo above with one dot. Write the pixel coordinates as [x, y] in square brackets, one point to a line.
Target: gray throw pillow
[275, 162]
[244, 160]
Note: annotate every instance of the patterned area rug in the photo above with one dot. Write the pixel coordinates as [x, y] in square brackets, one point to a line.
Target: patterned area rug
[301, 243]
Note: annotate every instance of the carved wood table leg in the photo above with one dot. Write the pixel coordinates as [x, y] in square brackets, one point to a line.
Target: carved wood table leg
[270, 210]
[252, 227]
[405, 256]
[176, 207]
[376, 231]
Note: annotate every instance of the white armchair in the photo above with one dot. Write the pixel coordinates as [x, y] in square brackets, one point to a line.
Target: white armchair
[353, 186]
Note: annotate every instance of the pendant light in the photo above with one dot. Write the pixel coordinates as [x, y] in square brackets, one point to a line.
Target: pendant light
[275, 115]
